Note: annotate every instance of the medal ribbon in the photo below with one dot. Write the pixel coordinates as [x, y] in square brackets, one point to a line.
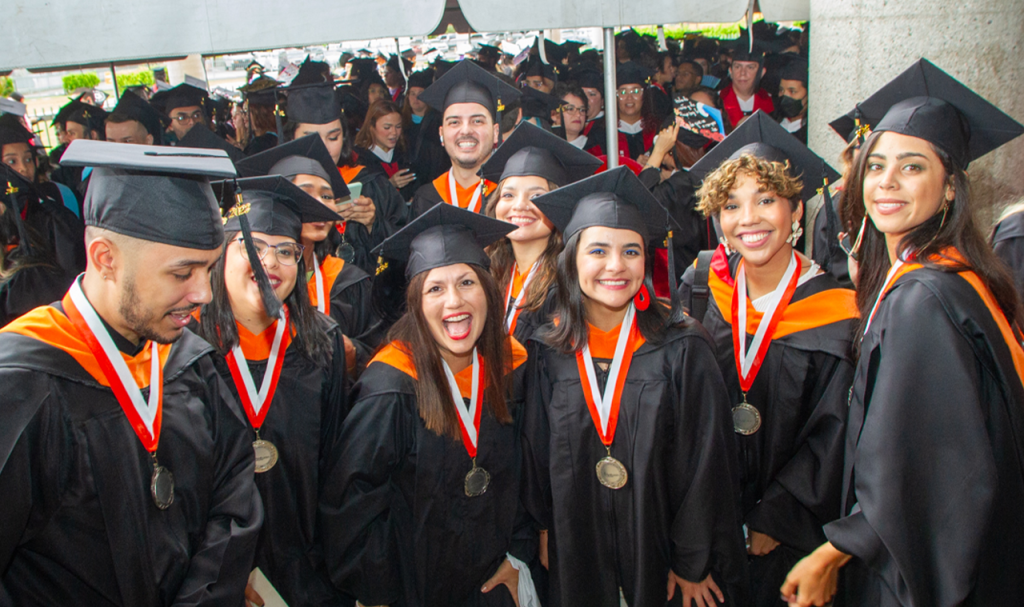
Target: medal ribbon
[748, 365]
[453, 193]
[604, 409]
[319, 276]
[145, 417]
[469, 418]
[894, 273]
[512, 314]
[252, 401]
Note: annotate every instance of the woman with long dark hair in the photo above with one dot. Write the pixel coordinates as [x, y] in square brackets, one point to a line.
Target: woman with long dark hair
[782, 329]
[287, 369]
[424, 496]
[381, 147]
[628, 448]
[934, 473]
[531, 163]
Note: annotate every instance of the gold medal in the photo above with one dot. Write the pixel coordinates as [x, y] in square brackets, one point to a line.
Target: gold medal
[746, 420]
[477, 480]
[612, 473]
[266, 454]
[161, 486]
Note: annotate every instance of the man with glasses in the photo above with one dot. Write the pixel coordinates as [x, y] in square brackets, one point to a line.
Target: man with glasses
[186, 105]
[744, 95]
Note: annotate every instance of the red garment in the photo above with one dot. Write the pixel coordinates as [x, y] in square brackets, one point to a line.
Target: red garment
[731, 105]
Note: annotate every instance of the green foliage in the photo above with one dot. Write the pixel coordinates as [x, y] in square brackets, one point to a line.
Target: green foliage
[722, 31]
[6, 86]
[142, 78]
[77, 81]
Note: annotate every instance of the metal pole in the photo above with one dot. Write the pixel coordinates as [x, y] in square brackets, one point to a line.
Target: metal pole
[611, 108]
[113, 75]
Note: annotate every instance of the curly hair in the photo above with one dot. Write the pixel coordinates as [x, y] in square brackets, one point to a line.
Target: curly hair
[772, 176]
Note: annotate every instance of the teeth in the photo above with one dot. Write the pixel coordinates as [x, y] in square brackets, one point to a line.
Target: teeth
[467, 144]
[754, 238]
[613, 283]
[459, 318]
[521, 221]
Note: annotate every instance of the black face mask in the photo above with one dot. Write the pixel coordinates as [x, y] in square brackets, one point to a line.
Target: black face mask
[790, 108]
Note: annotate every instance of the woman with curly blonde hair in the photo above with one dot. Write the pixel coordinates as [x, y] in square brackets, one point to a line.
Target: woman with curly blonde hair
[782, 329]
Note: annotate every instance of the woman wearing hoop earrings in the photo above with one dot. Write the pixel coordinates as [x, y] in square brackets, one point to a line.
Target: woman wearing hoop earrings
[628, 448]
[783, 331]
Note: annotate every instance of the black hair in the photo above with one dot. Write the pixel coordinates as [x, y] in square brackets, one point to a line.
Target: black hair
[347, 144]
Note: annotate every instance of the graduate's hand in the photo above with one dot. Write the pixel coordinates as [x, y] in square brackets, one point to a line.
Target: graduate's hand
[813, 580]
[252, 597]
[664, 143]
[507, 575]
[761, 543]
[702, 594]
[402, 178]
[350, 354]
[544, 548]
[362, 210]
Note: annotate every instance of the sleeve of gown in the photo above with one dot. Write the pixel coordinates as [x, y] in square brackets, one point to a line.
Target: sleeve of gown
[524, 530]
[355, 511]
[352, 310]
[806, 493]
[536, 439]
[706, 532]
[650, 177]
[1011, 251]
[391, 214]
[924, 474]
[221, 563]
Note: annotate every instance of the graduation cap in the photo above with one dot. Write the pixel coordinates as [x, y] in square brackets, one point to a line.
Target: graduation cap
[486, 50]
[536, 67]
[313, 72]
[467, 82]
[763, 138]
[614, 199]
[89, 116]
[421, 79]
[260, 91]
[532, 151]
[313, 103]
[12, 106]
[153, 193]
[589, 77]
[204, 138]
[796, 69]
[538, 104]
[303, 156]
[61, 117]
[133, 107]
[631, 72]
[183, 95]
[744, 50]
[19, 193]
[12, 130]
[442, 236]
[928, 103]
[363, 69]
[403, 67]
[553, 52]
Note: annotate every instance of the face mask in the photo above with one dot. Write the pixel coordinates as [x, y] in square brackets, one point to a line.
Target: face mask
[791, 108]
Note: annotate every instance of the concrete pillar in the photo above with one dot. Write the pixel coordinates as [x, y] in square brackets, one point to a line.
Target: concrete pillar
[191, 65]
[857, 46]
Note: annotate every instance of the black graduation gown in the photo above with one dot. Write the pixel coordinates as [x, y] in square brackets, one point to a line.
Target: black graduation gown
[30, 288]
[304, 423]
[62, 232]
[635, 144]
[827, 252]
[399, 161]
[596, 136]
[80, 526]
[530, 321]
[391, 214]
[349, 297]
[399, 528]
[261, 144]
[425, 152]
[791, 468]
[691, 231]
[1008, 243]
[933, 479]
[678, 508]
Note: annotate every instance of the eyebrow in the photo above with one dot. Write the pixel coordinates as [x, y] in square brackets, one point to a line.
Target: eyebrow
[605, 244]
[899, 156]
[189, 263]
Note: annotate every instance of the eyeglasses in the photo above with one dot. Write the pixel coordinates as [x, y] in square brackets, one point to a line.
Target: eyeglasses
[287, 253]
[573, 109]
[633, 91]
[195, 116]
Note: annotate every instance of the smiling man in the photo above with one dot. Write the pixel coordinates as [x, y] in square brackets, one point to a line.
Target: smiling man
[125, 464]
[471, 101]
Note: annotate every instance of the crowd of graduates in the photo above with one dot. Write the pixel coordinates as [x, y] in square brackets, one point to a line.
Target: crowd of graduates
[403, 338]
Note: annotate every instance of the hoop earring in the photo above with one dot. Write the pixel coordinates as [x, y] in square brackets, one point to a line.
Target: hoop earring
[725, 245]
[796, 233]
[642, 299]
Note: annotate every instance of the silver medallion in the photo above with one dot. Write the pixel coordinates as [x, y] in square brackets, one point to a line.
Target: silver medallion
[612, 473]
[162, 487]
[477, 481]
[266, 454]
[746, 420]
[346, 252]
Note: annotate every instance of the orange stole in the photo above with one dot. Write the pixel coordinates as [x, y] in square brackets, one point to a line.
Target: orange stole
[465, 195]
[349, 173]
[330, 268]
[396, 355]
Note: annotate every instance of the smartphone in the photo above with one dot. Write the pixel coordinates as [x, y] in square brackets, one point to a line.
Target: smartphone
[355, 190]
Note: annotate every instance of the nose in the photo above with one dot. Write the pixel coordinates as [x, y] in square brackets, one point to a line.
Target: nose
[748, 214]
[889, 179]
[201, 292]
[453, 298]
[270, 259]
[615, 263]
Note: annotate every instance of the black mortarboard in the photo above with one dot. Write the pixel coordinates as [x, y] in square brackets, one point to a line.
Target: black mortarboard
[763, 138]
[742, 51]
[467, 82]
[65, 110]
[183, 95]
[13, 131]
[261, 91]
[313, 104]
[538, 104]
[204, 138]
[273, 206]
[89, 116]
[421, 79]
[363, 69]
[928, 103]
[532, 151]
[488, 50]
[152, 193]
[303, 156]
[589, 77]
[614, 199]
[312, 72]
[444, 235]
[535, 67]
[553, 52]
[133, 107]
[631, 72]
[406, 65]
[796, 69]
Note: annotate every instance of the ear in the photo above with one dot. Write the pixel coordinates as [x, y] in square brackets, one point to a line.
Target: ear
[102, 255]
[440, 133]
[149, 139]
[950, 191]
[798, 214]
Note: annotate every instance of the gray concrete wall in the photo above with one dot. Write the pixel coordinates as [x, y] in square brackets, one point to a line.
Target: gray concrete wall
[857, 46]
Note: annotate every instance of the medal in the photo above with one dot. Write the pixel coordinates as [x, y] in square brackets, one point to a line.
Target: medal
[346, 251]
[453, 194]
[512, 313]
[746, 419]
[257, 404]
[604, 409]
[477, 479]
[145, 416]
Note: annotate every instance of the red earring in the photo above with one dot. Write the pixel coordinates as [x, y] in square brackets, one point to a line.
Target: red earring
[642, 299]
